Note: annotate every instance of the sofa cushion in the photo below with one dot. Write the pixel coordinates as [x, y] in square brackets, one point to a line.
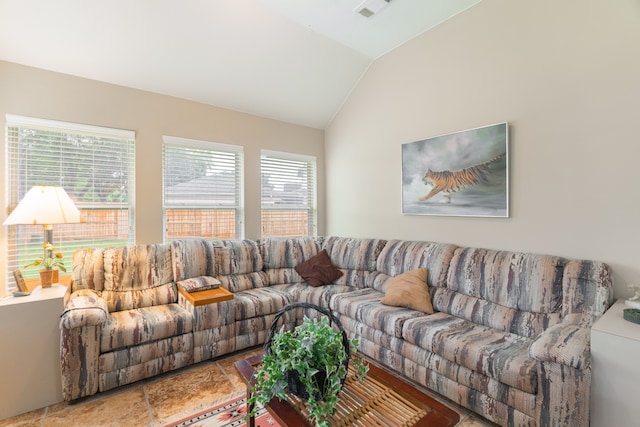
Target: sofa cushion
[283, 276]
[243, 282]
[526, 282]
[282, 255]
[237, 257]
[287, 252]
[356, 258]
[301, 292]
[201, 283]
[491, 352]
[87, 268]
[399, 256]
[192, 258]
[353, 254]
[132, 327]
[132, 299]
[239, 265]
[409, 290]
[137, 267]
[138, 276]
[318, 270]
[483, 312]
[364, 306]
[259, 302]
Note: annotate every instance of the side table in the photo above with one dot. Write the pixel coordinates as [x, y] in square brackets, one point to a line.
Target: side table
[615, 351]
[213, 321]
[208, 296]
[30, 356]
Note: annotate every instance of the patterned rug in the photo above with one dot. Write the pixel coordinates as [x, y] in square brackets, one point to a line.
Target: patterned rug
[228, 414]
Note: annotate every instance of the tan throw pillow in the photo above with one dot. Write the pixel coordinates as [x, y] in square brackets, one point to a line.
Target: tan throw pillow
[409, 290]
[318, 270]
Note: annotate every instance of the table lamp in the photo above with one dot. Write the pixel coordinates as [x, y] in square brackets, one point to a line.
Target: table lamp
[45, 205]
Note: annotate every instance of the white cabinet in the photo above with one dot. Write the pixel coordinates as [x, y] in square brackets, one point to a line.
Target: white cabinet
[615, 382]
[30, 351]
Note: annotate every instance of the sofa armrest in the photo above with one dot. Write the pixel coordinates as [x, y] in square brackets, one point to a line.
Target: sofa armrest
[567, 343]
[84, 308]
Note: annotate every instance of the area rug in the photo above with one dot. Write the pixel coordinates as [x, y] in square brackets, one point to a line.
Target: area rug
[228, 414]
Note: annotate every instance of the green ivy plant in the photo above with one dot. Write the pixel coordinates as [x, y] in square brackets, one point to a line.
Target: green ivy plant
[312, 347]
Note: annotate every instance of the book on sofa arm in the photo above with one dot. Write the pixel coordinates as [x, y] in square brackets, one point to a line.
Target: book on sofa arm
[196, 284]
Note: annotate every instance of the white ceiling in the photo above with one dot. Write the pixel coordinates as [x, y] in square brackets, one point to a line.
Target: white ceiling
[291, 60]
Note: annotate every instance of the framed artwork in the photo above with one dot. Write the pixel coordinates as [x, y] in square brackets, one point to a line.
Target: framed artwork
[460, 174]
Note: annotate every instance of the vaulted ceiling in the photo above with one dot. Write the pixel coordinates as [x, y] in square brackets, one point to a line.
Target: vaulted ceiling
[290, 60]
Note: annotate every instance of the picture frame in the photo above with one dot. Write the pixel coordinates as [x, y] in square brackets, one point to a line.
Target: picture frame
[464, 173]
[20, 283]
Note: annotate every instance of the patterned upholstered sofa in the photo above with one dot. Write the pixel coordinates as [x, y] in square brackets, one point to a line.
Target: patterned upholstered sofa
[509, 339]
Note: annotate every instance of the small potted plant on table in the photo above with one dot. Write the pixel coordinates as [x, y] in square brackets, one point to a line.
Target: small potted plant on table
[48, 261]
[311, 362]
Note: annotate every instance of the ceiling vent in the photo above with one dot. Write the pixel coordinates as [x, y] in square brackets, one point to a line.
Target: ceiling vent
[368, 8]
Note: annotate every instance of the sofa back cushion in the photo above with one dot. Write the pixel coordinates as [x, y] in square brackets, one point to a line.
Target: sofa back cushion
[522, 281]
[483, 312]
[192, 258]
[239, 265]
[138, 276]
[400, 256]
[282, 255]
[517, 292]
[87, 270]
[356, 258]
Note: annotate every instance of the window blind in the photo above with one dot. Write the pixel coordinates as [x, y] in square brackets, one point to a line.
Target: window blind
[202, 194]
[94, 165]
[288, 195]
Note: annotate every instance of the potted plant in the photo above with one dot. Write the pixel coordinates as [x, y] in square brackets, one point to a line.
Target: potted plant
[310, 361]
[48, 261]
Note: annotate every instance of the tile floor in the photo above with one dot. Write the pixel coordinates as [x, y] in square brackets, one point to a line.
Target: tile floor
[163, 399]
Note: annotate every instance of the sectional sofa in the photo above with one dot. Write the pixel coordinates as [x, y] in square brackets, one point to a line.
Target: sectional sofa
[509, 339]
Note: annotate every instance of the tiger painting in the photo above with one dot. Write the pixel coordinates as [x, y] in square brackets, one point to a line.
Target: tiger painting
[448, 182]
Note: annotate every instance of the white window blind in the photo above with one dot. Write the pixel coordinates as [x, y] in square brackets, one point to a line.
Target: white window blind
[94, 165]
[202, 189]
[288, 195]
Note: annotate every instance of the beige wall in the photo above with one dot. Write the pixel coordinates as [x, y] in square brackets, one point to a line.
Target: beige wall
[37, 93]
[564, 75]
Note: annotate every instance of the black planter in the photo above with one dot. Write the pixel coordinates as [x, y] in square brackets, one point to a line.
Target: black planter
[295, 386]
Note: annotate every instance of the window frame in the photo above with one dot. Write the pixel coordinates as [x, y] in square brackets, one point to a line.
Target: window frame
[214, 147]
[16, 183]
[312, 188]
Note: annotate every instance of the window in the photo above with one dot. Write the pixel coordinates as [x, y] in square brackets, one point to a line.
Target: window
[94, 165]
[202, 189]
[288, 195]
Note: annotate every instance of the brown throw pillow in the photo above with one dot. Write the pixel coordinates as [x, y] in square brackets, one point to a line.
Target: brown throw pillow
[318, 270]
[409, 290]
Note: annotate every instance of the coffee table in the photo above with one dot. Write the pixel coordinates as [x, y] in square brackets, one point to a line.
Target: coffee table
[382, 399]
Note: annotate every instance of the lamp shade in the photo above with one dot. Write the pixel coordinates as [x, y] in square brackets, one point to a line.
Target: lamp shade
[44, 205]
